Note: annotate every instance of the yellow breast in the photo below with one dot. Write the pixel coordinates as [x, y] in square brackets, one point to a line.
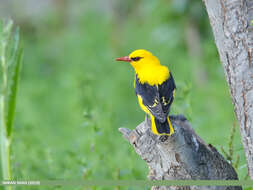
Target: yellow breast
[153, 75]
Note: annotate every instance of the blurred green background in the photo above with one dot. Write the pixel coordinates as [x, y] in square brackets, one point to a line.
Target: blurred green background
[73, 96]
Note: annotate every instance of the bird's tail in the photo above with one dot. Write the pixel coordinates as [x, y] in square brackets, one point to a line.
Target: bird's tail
[162, 128]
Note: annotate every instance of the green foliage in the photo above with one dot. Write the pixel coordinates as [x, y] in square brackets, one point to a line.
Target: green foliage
[10, 58]
[230, 154]
[15, 62]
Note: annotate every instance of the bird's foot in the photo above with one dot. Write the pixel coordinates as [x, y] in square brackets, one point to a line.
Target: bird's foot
[163, 138]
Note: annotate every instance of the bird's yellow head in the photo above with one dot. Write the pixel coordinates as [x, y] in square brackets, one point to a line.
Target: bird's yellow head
[140, 59]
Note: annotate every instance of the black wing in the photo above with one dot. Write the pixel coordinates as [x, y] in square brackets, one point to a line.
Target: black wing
[166, 93]
[151, 99]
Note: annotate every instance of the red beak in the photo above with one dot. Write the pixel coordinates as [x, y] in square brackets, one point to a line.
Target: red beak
[125, 58]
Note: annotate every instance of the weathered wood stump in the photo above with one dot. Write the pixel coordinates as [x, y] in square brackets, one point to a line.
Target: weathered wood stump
[183, 155]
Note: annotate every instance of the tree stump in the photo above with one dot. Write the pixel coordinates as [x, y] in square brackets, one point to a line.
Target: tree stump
[181, 156]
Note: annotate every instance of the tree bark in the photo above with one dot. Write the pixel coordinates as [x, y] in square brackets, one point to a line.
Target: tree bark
[231, 21]
[183, 155]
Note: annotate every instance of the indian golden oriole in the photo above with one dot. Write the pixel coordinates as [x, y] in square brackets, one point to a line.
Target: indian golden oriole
[154, 87]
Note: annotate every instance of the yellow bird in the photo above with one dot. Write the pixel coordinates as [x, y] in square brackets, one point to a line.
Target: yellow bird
[154, 87]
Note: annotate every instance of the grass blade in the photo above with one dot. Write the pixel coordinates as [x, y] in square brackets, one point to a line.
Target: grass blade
[11, 100]
[14, 48]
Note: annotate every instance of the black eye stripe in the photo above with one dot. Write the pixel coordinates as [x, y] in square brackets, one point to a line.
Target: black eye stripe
[136, 58]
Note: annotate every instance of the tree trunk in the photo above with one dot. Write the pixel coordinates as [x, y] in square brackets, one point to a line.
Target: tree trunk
[232, 25]
[183, 155]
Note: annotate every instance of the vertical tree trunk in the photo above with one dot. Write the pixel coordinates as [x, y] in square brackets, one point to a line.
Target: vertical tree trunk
[231, 21]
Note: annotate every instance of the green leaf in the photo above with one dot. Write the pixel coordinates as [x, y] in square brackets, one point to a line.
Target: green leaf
[11, 100]
[14, 47]
[7, 31]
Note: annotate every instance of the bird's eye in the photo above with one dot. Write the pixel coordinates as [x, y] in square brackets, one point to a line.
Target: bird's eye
[136, 58]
